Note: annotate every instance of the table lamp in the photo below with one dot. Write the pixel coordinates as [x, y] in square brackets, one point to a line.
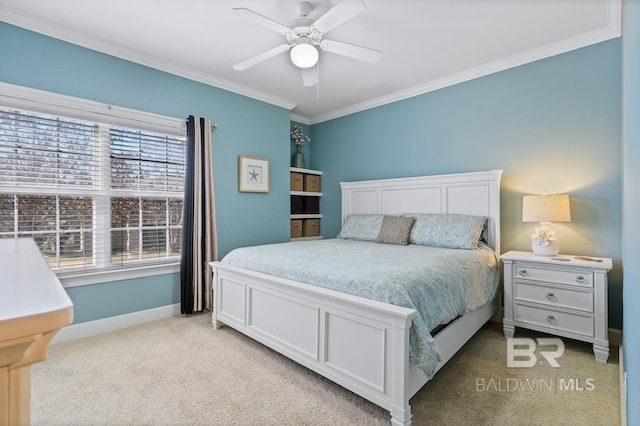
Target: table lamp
[545, 209]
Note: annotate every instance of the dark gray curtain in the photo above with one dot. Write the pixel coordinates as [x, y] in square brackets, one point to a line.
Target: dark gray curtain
[199, 244]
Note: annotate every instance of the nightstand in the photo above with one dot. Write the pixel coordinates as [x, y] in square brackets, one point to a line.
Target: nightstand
[559, 295]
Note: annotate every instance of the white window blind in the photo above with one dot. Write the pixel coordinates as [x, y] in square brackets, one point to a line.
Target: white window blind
[95, 196]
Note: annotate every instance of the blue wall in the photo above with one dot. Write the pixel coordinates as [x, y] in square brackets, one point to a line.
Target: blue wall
[122, 297]
[552, 125]
[631, 204]
[247, 127]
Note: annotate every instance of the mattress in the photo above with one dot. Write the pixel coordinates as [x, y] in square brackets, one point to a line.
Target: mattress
[440, 284]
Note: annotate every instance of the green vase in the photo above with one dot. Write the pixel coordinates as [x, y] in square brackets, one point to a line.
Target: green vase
[298, 160]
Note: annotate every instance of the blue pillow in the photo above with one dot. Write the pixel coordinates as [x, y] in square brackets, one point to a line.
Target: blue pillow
[455, 231]
[362, 227]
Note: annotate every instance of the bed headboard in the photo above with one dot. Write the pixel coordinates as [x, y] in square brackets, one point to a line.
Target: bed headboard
[475, 193]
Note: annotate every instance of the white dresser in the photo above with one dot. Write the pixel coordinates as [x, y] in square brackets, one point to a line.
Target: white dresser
[561, 295]
[33, 307]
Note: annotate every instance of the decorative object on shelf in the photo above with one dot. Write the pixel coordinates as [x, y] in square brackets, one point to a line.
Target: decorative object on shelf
[298, 137]
[545, 209]
[298, 159]
[253, 174]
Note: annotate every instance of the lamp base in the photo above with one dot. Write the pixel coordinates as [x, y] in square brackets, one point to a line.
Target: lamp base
[550, 249]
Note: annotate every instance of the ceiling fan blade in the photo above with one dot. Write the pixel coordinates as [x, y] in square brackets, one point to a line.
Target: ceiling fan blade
[338, 14]
[310, 76]
[351, 50]
[250, 15]
[261, 57]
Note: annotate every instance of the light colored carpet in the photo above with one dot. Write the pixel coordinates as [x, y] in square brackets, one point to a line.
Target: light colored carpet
[180, 371]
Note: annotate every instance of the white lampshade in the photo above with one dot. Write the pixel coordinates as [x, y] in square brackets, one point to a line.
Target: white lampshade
[546, 208]
[304, 54]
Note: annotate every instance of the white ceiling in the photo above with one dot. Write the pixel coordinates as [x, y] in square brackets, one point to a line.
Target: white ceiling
[425, 44]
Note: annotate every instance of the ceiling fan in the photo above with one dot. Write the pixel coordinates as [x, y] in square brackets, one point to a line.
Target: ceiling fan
[306, 35]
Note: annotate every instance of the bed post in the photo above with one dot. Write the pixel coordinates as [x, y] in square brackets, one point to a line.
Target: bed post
[400, 409]
[214, 289]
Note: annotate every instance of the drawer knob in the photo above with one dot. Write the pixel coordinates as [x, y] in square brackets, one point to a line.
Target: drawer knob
[580, 279]
[552, 297]
[523, 272]
[552, 319]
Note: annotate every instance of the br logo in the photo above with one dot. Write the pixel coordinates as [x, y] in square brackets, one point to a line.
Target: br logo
[521, 352]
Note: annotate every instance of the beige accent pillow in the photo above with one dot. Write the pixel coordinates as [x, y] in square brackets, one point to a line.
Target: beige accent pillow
[395, 230]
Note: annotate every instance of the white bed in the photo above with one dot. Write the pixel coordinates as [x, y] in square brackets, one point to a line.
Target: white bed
[331, 332]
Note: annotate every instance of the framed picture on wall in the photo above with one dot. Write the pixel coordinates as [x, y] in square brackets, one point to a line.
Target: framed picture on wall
[253, 174]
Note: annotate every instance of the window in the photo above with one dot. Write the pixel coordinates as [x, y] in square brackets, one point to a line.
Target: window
[145, 227]
[95, 195]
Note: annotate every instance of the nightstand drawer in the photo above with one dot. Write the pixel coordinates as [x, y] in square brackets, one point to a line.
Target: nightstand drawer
[562, 297]
[565, 297]
[582, 278]
[549, 318]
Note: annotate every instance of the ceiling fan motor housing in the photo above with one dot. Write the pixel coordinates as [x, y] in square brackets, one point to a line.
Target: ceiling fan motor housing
[306, 37]
[303, 28]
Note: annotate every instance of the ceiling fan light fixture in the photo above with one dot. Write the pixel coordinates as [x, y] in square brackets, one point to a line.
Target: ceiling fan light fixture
[304, 54]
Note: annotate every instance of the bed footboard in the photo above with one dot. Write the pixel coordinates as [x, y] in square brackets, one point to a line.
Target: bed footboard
[360, 344]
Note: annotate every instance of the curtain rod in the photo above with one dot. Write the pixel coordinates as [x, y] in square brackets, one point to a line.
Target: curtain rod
[214, 126]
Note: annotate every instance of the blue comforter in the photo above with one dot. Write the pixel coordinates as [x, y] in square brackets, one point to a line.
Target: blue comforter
[440, 284]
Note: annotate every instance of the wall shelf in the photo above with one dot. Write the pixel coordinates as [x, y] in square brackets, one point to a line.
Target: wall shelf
[307, 194]
[305, 204]
[305, 171]
[306, 216]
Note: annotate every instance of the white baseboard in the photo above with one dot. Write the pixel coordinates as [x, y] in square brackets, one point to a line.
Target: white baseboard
[105, 325]
[623, 389]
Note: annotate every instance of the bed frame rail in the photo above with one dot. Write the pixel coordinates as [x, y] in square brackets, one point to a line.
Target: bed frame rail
[358, 343]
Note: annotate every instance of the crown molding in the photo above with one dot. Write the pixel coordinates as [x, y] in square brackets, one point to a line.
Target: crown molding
[92, 43]
[611, 30]
[300, 119]
[461, 77]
